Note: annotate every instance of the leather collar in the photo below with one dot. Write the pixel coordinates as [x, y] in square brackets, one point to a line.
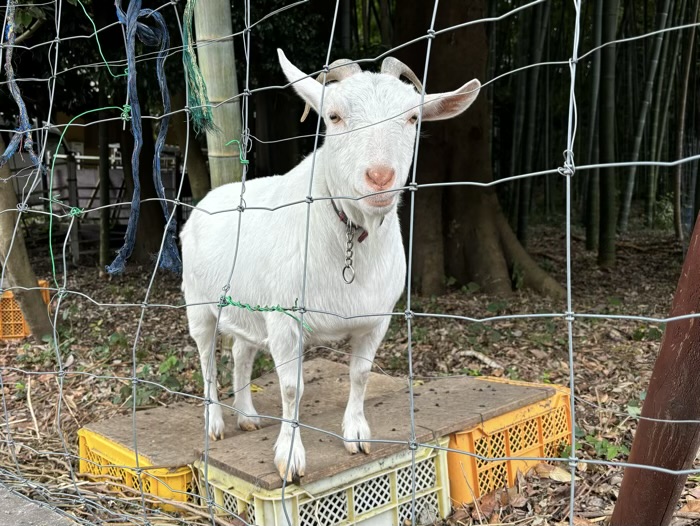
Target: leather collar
[341, 215]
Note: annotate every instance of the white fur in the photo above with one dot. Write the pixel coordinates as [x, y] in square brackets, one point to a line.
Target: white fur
[269, 264]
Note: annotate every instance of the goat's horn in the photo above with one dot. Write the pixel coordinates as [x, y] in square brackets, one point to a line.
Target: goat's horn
[338, 70]
[392, 66]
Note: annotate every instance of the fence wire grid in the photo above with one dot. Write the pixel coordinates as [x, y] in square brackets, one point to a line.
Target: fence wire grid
[136, 508]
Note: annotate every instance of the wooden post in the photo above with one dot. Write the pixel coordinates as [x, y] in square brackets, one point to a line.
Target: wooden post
[73, 202]
[105, 165]
[648, 498]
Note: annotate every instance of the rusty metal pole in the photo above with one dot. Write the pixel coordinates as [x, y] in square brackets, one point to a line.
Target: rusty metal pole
[648, 498]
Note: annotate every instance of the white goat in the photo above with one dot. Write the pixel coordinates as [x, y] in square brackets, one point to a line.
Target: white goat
[370, 123]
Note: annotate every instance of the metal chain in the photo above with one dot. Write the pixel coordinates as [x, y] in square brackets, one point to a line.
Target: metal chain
[349, 270]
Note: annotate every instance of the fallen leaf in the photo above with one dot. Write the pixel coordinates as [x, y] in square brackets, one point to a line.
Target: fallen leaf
[487, 505]
[553, 472]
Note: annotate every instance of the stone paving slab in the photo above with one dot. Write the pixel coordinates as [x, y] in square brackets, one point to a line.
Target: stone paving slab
[18, 511]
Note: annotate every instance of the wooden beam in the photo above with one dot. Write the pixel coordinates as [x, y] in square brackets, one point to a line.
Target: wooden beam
[649, 497]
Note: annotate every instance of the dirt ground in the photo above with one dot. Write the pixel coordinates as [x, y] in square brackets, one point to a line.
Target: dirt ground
[613, 360]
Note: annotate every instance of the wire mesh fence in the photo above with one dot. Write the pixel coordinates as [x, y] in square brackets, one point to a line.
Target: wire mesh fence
[124, 493]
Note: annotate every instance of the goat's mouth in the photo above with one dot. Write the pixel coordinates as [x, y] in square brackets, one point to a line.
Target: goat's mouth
[381, 200]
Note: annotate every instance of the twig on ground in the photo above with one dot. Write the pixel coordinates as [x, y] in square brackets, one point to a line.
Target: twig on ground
[31, 408]
[485, 359]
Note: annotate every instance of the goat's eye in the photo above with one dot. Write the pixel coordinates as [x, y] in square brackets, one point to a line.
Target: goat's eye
[413, 119]
[334, 118]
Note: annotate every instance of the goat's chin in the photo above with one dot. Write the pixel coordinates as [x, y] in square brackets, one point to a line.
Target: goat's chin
[379, 204]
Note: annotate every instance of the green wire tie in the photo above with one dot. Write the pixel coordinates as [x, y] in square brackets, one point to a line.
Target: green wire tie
[228, 301]
[126, 113]
[75, 211]
[240, 151]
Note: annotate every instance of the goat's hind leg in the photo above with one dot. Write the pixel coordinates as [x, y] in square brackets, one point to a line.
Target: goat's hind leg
[203, 330]
[243, 360]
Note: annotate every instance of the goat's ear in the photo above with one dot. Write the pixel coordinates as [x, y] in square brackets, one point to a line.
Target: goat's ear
[439, 106]
[308, 88]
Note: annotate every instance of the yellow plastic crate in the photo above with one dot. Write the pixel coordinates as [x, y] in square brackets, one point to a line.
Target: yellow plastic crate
[103, 459]
[537, 430]
[377, 493]
[12, 323]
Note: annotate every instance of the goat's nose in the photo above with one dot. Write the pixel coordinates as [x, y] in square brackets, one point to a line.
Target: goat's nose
[380, 177]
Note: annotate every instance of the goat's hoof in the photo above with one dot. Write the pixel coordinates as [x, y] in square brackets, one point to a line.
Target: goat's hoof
[216, 435]
[356, 431]
[247, 423]
[356, 447]
[293, 476]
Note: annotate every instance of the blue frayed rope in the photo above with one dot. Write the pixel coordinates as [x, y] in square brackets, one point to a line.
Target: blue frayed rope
[150, 36]
[23, 137]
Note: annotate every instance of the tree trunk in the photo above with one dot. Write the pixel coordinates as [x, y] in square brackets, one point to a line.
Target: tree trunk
[541, 20]
[197, 172]
[13, 253]
[365, 23]
[479, 245]
[662, 140]
[428, 276]
[345, 25]
[385, 22]
[606, 244]
[687, 63]
[661, 17]
[212, 20]
[648, 498]
[149, 232]
[593, 195]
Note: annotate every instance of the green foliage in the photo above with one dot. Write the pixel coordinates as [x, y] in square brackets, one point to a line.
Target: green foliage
[604, 448]
[471, 288]
[497, 307]
[41, 356]
[634, 407]
[663, 215]
[470, 372]
[20, 391]
[513, 373]
[518, 276]
[649, 333]
[419, 334]
[26, 15]
[263, 364]
[614, 301]
[166, 375]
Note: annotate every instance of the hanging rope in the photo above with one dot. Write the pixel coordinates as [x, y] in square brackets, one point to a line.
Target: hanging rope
[23, 137]
[197, 99]
[149, 36]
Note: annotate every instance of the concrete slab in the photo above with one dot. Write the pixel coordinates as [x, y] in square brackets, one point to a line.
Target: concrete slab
[16, 510]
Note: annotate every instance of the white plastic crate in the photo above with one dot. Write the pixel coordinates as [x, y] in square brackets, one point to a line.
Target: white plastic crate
[378, 493]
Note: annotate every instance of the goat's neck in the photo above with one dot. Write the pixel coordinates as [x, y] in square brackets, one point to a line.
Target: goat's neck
[369, 222]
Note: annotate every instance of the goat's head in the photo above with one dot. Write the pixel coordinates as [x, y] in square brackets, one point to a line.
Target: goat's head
[371, 125]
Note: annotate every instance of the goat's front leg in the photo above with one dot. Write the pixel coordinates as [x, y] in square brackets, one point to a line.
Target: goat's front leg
[355, 427]
[290, 457]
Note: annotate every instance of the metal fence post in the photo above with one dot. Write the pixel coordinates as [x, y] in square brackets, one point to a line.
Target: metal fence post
[73, 202]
